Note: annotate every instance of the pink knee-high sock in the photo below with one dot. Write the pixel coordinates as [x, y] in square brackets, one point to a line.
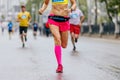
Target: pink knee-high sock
[58, 54]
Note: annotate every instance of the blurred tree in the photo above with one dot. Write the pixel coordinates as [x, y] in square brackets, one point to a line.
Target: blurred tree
[30, 2]
[29, 5]
[107, 8]
[83, 6]
[2, 17]
[33, 7]
[112, 7]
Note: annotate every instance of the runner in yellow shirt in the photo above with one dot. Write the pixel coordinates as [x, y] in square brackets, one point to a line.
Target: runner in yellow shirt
[24, 19]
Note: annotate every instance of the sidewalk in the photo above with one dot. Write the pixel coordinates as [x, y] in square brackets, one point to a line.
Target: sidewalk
[103, 36]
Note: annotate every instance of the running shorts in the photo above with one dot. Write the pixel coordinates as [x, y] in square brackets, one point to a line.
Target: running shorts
[75, 29]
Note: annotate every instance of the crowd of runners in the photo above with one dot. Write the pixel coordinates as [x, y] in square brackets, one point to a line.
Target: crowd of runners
[61, 20]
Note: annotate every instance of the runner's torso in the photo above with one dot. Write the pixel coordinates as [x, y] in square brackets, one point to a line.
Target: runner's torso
[24, 18]
[10, 25]
[59, 7]
[35, 25]
[75, 17]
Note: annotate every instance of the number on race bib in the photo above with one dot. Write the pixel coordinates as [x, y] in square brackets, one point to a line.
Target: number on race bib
[74, 16]
[23, 16]
[57, 0]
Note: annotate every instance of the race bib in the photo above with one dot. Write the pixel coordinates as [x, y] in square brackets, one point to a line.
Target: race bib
[10, 25]
[35, 25]
[74, 16]
[57, 0]
[24, 16]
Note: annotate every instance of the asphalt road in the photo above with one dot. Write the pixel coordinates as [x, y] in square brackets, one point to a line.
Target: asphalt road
[95, 59]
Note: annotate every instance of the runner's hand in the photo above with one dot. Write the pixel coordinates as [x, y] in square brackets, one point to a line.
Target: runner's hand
[17, 20]
[40, 11]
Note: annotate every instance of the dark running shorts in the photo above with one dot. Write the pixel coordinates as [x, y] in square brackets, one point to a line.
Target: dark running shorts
[35, 29]
[23, 29]
[9, 30]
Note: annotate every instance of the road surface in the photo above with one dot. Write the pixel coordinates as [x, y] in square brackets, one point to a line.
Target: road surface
[95, 59]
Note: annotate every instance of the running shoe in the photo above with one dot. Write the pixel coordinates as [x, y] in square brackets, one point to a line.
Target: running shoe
[59, 69]
[74, 48]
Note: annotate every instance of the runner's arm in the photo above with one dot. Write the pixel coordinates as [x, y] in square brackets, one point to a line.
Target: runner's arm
[18, 18]
[82, 18]
[29, 18]
[73, 7]
[44, 6]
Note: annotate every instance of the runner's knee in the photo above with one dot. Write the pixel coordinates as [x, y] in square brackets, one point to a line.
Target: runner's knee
[76, 36]
[58, 41]
[21, 35]
[64, 45]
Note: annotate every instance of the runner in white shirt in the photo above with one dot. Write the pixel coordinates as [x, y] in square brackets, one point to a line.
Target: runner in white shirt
[2, 25]
[76, 20]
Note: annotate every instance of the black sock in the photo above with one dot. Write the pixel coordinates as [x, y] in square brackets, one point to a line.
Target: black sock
[76, 40]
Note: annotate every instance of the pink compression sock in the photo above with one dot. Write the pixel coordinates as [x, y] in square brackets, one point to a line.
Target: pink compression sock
[58, 54]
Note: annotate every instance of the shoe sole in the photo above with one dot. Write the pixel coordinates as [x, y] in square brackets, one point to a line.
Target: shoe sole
[59, 71]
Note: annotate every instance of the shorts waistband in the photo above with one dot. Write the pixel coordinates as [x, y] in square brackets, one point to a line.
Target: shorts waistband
[58, 18]
[75, 25]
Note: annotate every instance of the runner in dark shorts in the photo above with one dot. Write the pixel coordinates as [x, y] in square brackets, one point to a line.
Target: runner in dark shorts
[35, 28]
[22, 29]
[24, 19]
[10, 29]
